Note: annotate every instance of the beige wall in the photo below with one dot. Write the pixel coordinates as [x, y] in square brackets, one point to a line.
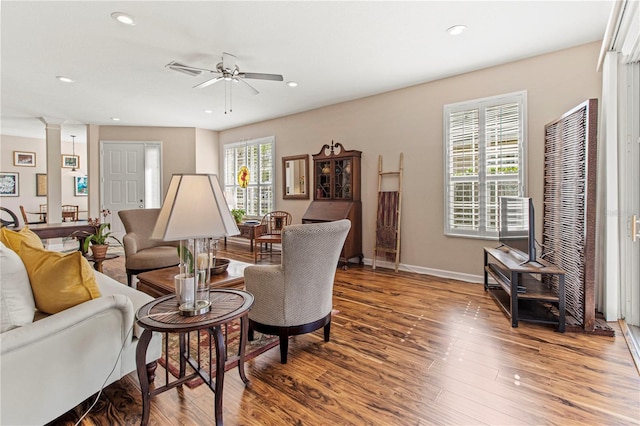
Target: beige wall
[27, 175]
[410, 121]
[206, 151]
[178, 146]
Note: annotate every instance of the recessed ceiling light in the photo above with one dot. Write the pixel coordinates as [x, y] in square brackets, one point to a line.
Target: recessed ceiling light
[64, 79]
[456, 29]
[123, 18]
[115, 119]
[292, 84]
[208, 111]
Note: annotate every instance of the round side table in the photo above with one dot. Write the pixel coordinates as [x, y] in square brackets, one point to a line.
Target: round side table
[162, 316]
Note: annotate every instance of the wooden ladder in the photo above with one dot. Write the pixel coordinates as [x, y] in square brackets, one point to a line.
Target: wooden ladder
[388, 215]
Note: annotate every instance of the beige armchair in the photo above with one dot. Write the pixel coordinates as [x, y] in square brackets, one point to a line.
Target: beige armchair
[295, 297]
[141, 253]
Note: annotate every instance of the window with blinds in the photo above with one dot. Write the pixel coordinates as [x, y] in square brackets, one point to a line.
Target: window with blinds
[257, 198]
[484, 159]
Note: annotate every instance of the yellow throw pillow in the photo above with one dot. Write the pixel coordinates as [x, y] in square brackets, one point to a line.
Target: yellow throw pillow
[59, 281]
[14, 239]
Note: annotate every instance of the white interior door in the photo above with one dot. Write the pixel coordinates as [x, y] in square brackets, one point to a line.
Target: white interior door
[123, 179]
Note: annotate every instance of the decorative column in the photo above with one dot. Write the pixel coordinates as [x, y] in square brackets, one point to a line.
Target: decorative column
[54, 168]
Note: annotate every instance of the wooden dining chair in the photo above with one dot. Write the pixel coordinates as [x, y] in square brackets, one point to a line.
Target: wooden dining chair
[43, 212]
[8, 218]
[69, 213]
[272, 225]
[24, 214]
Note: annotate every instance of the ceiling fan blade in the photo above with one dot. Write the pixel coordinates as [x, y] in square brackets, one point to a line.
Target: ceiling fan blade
[253, 89]
[261, 76]
[228, 61]
[192, 71]
[208, 82]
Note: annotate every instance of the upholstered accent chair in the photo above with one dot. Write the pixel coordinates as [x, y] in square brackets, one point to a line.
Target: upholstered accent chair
[141, 253]
[296, 297]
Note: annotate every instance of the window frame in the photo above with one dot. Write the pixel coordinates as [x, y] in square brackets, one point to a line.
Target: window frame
[481, 178]
[230, 188]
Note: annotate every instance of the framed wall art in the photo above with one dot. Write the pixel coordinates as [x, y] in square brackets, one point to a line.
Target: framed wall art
[9, 185]
[80, 187]
[41, 185]
[24, 159]
[70, 161]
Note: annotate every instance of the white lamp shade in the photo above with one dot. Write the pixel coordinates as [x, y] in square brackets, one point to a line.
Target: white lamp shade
[194, 207]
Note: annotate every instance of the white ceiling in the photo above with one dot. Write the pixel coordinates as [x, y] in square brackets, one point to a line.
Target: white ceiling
[336, 51]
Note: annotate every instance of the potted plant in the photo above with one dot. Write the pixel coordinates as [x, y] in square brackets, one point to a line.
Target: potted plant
[98, 241]
[238, 214]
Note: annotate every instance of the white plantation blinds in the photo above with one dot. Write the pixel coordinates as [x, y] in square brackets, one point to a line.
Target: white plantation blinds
[257, 199]
[484, 159]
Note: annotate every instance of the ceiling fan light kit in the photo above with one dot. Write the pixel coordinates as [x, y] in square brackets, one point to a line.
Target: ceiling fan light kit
[227, 71]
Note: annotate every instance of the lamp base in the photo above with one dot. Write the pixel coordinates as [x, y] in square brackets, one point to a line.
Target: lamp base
[198, 308]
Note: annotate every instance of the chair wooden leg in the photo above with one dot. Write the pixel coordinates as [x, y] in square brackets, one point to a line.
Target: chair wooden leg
[327, 331]
[284, 347]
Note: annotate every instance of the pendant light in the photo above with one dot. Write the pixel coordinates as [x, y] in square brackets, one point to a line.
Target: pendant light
[74, 171]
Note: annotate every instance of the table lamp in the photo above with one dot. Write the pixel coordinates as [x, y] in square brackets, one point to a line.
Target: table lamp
[195, 213]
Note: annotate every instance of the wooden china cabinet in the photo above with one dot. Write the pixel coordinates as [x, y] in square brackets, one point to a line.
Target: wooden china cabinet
[336, 195]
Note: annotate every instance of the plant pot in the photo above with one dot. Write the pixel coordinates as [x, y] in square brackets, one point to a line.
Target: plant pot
[99, 251]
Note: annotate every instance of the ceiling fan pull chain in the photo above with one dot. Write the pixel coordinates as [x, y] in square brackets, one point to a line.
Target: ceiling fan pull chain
[225, 97]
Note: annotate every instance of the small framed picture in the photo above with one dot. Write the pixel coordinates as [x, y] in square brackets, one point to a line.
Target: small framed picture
[70, 161]
[80, 187]
[41, 185]
[24, 159]
[9, 185]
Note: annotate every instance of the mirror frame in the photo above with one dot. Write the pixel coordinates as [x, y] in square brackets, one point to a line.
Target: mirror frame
[304, 196]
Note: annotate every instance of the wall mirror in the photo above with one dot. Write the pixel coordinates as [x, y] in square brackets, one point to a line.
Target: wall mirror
[295, 177]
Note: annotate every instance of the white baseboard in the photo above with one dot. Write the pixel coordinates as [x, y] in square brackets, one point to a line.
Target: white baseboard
[479, 279]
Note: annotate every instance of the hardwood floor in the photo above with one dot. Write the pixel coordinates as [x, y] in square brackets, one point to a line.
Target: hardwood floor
[408, 349]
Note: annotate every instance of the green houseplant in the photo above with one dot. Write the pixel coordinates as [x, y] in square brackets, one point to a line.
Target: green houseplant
[238, 214]
[98, 240]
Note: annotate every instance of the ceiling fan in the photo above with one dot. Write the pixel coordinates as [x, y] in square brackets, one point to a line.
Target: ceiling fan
[227, 70]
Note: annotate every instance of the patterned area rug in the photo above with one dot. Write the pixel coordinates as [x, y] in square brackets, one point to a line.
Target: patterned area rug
[260, 344]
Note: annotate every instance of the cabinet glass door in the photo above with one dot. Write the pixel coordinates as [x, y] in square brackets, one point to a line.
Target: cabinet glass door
[323, 179]
[342, 179]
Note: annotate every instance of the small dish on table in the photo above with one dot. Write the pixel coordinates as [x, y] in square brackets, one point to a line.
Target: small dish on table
[221, 266]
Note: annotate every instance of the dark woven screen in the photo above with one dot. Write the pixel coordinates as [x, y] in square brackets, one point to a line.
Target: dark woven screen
[568, 234]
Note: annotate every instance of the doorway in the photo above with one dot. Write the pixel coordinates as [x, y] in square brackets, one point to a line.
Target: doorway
[130, 178]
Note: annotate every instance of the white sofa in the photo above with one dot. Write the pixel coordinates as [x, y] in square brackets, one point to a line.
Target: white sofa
[52, 364]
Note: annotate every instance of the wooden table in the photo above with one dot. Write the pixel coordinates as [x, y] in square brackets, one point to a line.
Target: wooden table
[97, 263]
[64, 230]
[162, 316]
[249, 231]
[160, 281]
